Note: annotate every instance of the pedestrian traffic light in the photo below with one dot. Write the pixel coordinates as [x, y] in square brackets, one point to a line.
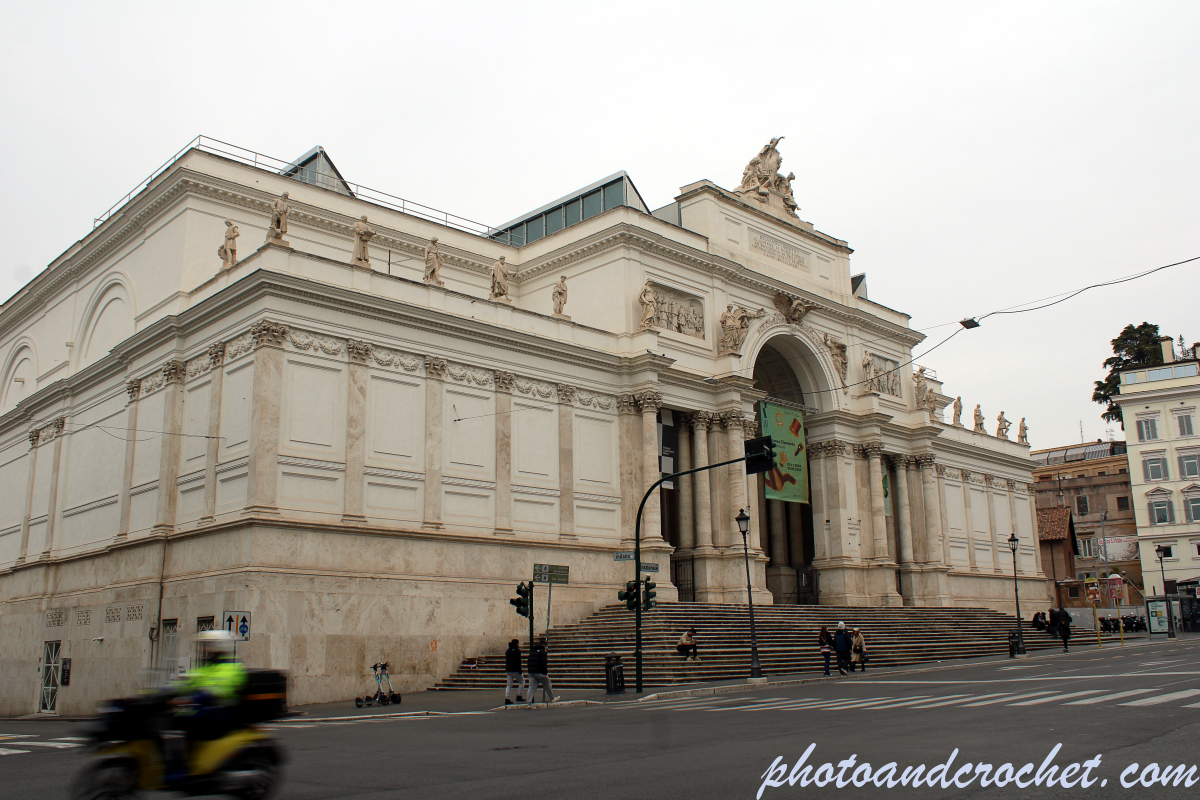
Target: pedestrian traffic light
[629, 595]
[522, 600]
[650, 593]
[760, 455]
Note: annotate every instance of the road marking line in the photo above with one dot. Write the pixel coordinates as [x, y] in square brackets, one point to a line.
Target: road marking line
[1107, 697]
[961, 699]
[859, 702]
[1056, 697]
[1151, 701]
[4, 751]
[911, 701]
[55, 745]
[677, 704]
[1005, 699]
[71, 739]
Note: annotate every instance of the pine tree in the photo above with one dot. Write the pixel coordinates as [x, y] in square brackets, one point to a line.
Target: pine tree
[1135, 347]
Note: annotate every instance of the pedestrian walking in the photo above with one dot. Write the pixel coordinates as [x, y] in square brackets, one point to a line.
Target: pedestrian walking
[539, 671]
[513, 675]
[843, 643]
[858, 651]
[1052, 623]
[1064, 626]
[825, 640]
[687, 645]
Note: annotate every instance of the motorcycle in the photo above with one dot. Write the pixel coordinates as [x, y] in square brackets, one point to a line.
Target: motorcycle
[136, 749]
[380, 697]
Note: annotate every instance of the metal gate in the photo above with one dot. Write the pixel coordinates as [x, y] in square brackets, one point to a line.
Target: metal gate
[51, 673]
[682, 575]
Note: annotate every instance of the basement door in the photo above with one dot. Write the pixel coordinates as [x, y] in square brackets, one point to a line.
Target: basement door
[51, 672]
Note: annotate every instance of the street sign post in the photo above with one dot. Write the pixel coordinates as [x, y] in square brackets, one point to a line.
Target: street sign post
[551, 573]
[237, 623]
[625, 556]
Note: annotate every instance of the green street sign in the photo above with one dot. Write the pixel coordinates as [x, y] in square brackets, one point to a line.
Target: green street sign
[551, 573]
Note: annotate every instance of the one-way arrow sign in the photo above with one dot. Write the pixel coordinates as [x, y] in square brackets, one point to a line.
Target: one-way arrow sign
[237, 623]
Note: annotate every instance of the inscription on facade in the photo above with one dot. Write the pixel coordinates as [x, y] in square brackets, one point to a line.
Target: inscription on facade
[779, 250]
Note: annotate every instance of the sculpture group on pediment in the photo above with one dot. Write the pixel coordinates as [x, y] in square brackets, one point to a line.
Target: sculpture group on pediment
[880, 375]
[228, 251]
[362, 236]
[433, 263]
[761, 177]
[794, 309]
[735, 322]
[668, 310]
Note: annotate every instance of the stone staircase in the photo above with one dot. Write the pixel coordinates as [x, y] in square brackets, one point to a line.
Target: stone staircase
[787, 642]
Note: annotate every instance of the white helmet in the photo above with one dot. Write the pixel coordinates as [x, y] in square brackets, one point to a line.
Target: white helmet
[217, 642]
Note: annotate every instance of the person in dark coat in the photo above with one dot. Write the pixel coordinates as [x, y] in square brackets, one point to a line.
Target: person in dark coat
[512, 672]
[843, 643]
[539, 669]
[825, 640]
[1064, 626]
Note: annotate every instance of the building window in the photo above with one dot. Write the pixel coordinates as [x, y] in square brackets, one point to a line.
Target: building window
[1081, 506]
[1160, 374]
[1189, 466]
[205, 624]
[1122, 471]
[1185, 425]
[1192, 506]
[1122, 504]
[1167, 552]
[1161, 512]
[1147, 430]
[1155, 469]
[1087, 548]
[1073, 592]
[1197, 546]
[1101, 473]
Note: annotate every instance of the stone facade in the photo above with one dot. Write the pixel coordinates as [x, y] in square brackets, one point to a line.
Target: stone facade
[369, 461]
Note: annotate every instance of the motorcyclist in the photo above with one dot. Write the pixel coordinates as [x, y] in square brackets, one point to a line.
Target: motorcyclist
[207, 697]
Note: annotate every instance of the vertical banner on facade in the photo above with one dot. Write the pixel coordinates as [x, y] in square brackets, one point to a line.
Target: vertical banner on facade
[788, 480]
[668, 445]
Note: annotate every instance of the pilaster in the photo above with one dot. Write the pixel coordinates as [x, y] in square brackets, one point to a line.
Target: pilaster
[263, 474]
[685, 484]
[354, 505]
[216, 360]
[171, 448]
[435, 374]
[134, 388]
[566, 461]
[504, 387]
[650, 402]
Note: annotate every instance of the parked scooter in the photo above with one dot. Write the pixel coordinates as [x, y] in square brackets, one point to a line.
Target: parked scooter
[380, 697]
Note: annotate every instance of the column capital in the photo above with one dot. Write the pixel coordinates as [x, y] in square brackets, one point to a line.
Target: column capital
[268, 334]
[504, 381]
[216, 354]
[627, 404]
[730, 419]
[566, 393]
[435, 367]
[834, 447]
[650, 400]
[749, 427]
[941, 470]
[926, 460]
[700, 419]
[173, 372]
[134, 387]
[871, 449]
[901, 461]
[359, 352]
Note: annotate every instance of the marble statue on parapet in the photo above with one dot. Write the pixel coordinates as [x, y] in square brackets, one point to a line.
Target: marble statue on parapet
[433, 264]
[761, 177]
[1022, 432]
[500, 273]
[837, 351]
[228, 251]
[560, 297]
[931, 401]
[279, 219]
[1002, 426]
[734, 324]
[957, 412]
[649, 302]
[362, 235]
[794, 309]
[979, 419]
[922, 387]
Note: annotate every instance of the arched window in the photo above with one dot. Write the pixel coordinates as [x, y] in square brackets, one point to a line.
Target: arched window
[20, 377]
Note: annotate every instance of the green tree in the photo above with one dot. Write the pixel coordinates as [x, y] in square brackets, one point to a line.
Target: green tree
[1135, 347]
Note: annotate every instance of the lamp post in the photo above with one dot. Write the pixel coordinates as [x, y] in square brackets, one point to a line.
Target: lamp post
[743, 523]
[1012, 545]
[1161, 552]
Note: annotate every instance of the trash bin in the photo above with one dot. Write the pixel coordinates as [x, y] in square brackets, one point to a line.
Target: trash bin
[614, 674]
[1012, 644]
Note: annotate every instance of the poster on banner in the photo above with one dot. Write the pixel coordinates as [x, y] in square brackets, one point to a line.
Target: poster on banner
[1157, 616]
[788, 479]
[1120, 548]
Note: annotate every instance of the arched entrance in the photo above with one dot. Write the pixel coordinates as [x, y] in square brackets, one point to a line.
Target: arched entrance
[791, 374]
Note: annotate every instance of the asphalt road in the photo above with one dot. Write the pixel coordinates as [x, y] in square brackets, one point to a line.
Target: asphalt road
[1140, 705]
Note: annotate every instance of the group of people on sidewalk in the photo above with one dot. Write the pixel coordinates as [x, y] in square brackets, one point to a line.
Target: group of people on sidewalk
[850, 647]
[539, 672]
[1056, 622]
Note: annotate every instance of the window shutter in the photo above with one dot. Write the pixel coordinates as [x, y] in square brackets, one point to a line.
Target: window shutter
[1141, 430]
[1150, 511]
[1170, 511]
[1185, 425]
[1145, 467]
[1152, 428]
[1166, 473]
[1182, 471]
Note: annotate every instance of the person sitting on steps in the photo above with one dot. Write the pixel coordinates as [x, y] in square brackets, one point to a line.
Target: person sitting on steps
[687, 645]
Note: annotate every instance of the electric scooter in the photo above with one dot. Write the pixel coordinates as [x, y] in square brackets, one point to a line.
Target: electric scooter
[380, 697]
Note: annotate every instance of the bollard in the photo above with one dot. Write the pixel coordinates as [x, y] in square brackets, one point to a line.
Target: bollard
[1012, 644]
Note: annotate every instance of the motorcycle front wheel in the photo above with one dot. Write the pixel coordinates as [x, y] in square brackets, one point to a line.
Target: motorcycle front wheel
[256, 776]
[110, 779]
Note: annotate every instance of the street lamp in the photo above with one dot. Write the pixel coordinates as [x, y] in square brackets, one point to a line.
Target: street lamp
[1161, 552]
[743, 523]
[1012, 545]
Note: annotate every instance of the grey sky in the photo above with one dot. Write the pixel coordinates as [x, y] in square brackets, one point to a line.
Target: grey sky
[975, 155]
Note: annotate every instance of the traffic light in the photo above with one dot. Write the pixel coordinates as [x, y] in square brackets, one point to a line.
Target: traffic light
[523, 599]
[760, 455]
[650, 593]
[629, 595]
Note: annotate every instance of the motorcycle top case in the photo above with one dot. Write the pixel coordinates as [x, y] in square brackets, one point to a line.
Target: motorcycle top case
[264, 696]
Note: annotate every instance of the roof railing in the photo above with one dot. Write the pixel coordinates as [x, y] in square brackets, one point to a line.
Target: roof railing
[294, 171]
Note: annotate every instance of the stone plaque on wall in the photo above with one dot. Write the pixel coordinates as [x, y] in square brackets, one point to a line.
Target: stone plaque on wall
[778, 249]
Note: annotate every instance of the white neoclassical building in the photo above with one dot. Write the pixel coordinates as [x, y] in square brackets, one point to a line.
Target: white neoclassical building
[363, 427]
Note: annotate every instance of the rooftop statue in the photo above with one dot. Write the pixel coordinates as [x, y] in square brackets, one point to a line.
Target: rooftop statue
[1022, 432]
[979, 419]
[362, 235]
[958, 411]
[1002, 426]
[279, 218]
[761, 177]
[500, 275]
[228, 251]
[433, 263]
[559, 295]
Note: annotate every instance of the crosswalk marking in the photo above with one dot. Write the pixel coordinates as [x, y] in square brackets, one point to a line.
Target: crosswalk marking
[4, 751]
[55, 745]
[949, 702]
[996, 701]
[1156, 700]
[910, 701]
[1053, 698]
[840, 704]
[71, 739]
[1105, 698]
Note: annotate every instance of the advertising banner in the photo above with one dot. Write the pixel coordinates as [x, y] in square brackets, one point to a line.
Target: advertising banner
[1157, 616]
[788, 480]
[1120, 548]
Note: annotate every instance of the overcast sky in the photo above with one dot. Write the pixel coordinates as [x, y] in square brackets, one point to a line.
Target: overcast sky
[975, 156]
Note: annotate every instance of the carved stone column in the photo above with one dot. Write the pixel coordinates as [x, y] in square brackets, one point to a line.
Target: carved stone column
[168, 465]
[263, 474]
[435, 374]
[777, 533]
[718, 482]
[819, 502]
[650, 402]
[566, 460]
[504, 387]
[687, 517]
[835, 498]
[874, 454]
[731, 421]
[933, 526]
[354, 507]
[795, 533]
[701, 420]
[754, 486]
[1010, 494]
[997, 564]
[34, 435]
[904, 528]
[134, 388]
[629, 456]
[970, 512]
[216, 362]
